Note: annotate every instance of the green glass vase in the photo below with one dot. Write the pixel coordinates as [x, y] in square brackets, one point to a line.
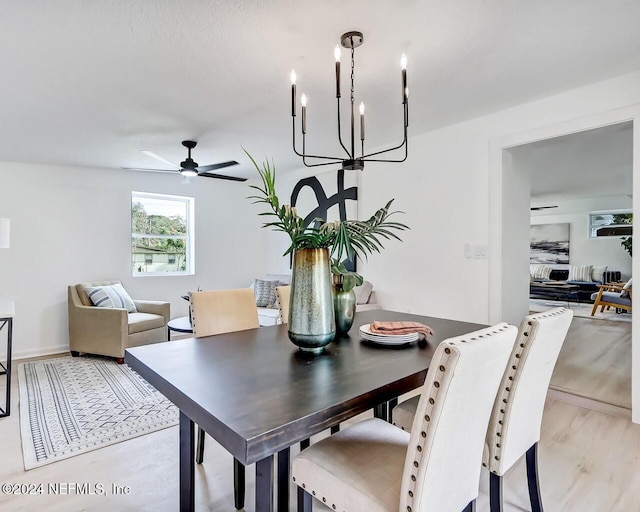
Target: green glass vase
[344, 306]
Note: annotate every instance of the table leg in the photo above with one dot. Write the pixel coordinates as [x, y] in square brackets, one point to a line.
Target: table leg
[392, 403]
[381, 411]
[283, 480]
[187, 472]
[264, 484]
[7, 404]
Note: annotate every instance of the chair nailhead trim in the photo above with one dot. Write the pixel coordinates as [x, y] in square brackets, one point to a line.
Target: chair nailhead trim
[411, 493]
[427, 418]
[304, 486]
[413, 478]
[333, 507]
[507, 389]
[447, 350]
[415, 463]
[441, 368]
[419, 448]
[324, 499]
[436, 384]
[432, 401]
[294, 478]
[408, 509]
[314, 492]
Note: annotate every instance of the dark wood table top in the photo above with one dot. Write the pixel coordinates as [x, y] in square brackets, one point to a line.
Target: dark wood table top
[255, 393]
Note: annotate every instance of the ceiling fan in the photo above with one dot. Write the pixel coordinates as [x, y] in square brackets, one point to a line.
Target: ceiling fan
[536, 208]
[189, 167]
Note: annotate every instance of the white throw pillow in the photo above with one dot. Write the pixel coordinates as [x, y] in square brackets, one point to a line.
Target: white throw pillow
[628, 286]
[363, 292]
[580, 273]
[111, 296]
[597, 273]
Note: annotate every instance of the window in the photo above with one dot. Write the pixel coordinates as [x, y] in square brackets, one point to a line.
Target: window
[610, 223]
[161, 234]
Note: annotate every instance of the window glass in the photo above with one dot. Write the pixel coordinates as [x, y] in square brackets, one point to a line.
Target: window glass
[610, 223]
[161, 234]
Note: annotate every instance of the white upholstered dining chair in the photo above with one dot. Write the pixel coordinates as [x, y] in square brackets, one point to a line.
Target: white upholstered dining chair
[516, 418]
[514, 428]
[283, 294]
[375, 467]
[218, 312]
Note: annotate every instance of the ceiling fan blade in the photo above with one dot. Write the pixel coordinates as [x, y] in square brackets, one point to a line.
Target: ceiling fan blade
[159, 158]
[215, 167]
[535, 208]
[221, 176]
[148, 170]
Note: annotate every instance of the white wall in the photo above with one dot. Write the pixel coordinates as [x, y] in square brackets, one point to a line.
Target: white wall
[582, 249]
[70, 225]
[515, 253]
[444, 189]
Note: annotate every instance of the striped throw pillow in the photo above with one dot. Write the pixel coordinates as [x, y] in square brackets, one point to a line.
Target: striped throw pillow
[111, 296]
[540, 272]
[580, 272]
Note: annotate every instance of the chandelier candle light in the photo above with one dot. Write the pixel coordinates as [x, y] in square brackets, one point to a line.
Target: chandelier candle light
[349, 40]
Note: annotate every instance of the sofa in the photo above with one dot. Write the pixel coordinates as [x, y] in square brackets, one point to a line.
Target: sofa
[587, 288]
[365, 300]
[109, 331]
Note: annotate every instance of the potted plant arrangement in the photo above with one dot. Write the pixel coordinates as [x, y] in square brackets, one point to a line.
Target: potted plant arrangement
[627, 244]
[318, 251]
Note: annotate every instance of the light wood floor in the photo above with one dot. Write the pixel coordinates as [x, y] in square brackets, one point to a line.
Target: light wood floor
[595, 361]
[589, 462]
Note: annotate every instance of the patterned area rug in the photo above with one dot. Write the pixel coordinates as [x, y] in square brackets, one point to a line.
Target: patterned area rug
[73, 405]
[581, 310]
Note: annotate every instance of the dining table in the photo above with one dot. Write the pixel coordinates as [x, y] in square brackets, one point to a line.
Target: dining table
[257, 394]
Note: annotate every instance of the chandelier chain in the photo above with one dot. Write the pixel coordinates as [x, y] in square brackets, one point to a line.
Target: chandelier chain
[353, 54]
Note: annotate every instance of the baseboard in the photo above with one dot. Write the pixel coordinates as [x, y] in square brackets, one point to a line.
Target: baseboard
[38, 352]
[589, 403]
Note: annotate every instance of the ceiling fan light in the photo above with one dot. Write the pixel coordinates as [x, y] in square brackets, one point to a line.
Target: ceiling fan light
[189, 172]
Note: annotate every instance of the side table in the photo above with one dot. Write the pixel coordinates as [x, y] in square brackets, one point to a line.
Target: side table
[7, 312]
[181, 324]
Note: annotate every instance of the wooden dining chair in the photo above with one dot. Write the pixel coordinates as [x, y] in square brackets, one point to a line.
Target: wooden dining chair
[517, 412]
[219, 312]
[374, 466]
[283, 293]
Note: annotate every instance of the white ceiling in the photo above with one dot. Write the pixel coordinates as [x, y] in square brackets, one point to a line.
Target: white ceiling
[92, 83]
[593, 163]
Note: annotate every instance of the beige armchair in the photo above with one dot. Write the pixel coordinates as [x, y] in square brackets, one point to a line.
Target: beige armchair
[109, 332]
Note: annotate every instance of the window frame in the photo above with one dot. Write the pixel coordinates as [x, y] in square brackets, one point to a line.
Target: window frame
[606, 212]
[188, 237]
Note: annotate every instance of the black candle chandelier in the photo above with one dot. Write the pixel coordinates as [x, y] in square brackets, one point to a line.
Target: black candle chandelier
[349, 40]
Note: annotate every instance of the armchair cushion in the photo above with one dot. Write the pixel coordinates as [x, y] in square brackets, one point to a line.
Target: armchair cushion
[139, 322]
[111, 296]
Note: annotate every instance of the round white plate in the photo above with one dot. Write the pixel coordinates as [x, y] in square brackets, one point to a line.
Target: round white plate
[389, 339]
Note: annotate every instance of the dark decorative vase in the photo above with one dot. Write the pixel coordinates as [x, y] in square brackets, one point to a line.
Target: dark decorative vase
[344, 305]
[311, 317]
